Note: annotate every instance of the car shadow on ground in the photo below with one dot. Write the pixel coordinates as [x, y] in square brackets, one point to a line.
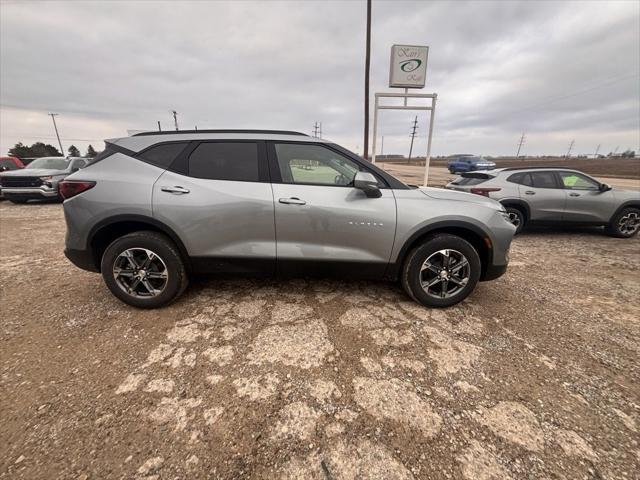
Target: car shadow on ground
[563, 230]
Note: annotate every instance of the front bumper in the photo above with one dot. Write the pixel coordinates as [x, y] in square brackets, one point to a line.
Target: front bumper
[492, 272]
[82, 259]
[31, 193]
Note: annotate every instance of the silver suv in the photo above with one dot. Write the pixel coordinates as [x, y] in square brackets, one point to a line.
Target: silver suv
[556, 196]
[155, 207]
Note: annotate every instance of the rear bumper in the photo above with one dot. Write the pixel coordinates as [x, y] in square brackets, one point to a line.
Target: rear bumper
[82, 259]
[31, 193]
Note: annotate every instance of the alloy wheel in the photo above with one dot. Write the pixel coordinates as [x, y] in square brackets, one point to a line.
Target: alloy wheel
[140, 273]
[514, 218]
[445, 273]
[629, 223]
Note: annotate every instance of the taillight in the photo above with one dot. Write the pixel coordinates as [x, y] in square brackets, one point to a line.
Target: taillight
[71, 188]
[484, 191]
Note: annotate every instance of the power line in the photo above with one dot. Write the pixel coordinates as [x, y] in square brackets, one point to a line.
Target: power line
[580, 92]
[53, 117]
[413, 134]
[520, 143]
[175, 118]
[570, 148]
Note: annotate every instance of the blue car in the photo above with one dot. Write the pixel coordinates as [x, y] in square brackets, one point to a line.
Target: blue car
[468, 163]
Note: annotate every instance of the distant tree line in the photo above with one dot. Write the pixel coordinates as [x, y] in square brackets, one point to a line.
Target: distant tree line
[40, 149]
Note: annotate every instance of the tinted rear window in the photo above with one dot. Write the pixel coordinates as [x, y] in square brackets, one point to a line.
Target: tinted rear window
[544, 180]
[225, 161]
[521, 178]
[162, 155]
[470, 181]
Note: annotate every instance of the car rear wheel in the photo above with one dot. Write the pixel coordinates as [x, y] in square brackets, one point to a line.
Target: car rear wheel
[516, 217]
[442, 271]
[625, 224]
[144, 269]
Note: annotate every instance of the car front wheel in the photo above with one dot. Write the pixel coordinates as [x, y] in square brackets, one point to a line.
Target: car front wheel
[442, 271]
[144, 269]
[625, 224]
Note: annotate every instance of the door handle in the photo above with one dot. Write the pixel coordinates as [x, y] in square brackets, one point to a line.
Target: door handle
[175, 189]
[529, 192]
[292, 201]
[574, 194]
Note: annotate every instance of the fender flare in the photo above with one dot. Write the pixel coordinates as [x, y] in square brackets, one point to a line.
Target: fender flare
[441, 225]
[628, 203]
[106, 222]
[519, 202]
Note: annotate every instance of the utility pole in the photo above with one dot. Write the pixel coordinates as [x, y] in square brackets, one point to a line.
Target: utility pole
[595, 155]
[53, 117]
[175, 118]
[570, 147]
[413, 134]
[320, 129]
[315, 129]
[159, 127]
[520, 143]
[367, 65]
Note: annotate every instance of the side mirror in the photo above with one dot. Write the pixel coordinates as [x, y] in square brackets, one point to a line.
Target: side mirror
[366, 182]
[604, 187]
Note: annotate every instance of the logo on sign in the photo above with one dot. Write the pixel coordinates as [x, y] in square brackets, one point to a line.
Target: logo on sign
[410, 65]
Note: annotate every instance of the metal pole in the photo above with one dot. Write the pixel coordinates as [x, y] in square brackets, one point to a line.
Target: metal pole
[382, 146]
[428, 159]
[597, 150]
[159, 127]
[375, 129]
[413, 135]
[53, 117]
[367, 65]
[175, 119]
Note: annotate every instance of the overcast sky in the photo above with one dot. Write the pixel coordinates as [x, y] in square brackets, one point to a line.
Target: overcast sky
[556, 70]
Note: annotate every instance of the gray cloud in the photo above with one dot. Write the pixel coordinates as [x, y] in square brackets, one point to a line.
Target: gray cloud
[558, 70]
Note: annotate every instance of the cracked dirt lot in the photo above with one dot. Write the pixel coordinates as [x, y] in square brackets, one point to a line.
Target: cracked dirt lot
[536, 375]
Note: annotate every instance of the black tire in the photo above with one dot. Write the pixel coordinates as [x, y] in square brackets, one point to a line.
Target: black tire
[411, 274]
[452, 170]
[619, 226]
[519, 218]
[162, 247]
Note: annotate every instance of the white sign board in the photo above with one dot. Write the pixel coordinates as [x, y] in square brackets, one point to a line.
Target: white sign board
[408, 66]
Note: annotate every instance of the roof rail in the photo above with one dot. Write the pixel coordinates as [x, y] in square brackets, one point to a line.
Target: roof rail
[177, 132]
[506, 169]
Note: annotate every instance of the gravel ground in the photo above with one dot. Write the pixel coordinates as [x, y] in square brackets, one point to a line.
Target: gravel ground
[536, 375]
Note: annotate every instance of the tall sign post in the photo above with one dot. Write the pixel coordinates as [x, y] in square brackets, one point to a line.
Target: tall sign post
[408, 69]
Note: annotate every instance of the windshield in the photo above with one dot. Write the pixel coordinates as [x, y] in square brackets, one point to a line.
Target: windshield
[52, 163]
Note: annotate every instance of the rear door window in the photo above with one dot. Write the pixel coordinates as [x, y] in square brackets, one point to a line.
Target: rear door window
[544, 179]
[161, 155]
[235, 161]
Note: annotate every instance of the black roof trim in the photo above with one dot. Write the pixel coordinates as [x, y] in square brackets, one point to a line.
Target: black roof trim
[509, 169]
[177, 132]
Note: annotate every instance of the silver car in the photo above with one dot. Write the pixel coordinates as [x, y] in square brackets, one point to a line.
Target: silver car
[155, 207]
[39, 179]
[552, 196]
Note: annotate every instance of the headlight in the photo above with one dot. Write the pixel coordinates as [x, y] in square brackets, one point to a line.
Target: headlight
[47, 181]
